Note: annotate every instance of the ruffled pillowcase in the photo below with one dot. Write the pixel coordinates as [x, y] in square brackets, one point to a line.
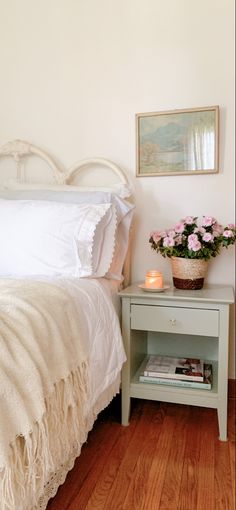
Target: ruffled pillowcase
[75, 195]
[51, 238]
[122, 190]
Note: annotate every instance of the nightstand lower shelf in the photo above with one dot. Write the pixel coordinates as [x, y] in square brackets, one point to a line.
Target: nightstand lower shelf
[175, 394]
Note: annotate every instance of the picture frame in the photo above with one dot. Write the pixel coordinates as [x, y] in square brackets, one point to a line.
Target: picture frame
[177, 142]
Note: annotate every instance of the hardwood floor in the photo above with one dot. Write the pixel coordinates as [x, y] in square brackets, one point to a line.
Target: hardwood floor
[168, 458]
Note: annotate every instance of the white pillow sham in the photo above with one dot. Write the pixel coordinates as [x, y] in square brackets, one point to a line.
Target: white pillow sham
[122, 190]
[51, 238]
[124, 211]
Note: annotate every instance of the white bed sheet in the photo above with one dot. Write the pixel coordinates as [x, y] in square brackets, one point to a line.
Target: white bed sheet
[106, 352]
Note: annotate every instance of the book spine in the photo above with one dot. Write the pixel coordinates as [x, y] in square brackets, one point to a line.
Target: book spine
[150, 373]
[174, 382]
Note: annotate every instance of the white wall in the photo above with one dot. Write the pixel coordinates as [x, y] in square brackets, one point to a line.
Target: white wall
[75, 72]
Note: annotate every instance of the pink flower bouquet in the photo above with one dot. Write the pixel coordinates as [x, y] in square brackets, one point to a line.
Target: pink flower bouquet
[193, 238]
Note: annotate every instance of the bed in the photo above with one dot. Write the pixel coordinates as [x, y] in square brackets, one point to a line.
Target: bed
[63, 250]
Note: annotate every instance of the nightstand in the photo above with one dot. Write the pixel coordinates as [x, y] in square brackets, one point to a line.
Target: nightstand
[179, 323]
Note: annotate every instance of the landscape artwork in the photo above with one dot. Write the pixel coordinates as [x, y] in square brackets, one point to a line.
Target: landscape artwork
[177, 142]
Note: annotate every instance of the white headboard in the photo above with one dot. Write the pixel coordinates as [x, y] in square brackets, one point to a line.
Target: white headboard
[77, 167]
[19, 150]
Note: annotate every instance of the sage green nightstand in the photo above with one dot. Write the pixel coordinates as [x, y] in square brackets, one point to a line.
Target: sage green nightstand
[177, 323]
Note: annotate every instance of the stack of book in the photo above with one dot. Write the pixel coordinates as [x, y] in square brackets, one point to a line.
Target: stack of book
[187, 372]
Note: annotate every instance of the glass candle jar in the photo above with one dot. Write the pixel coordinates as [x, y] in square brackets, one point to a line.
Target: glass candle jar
[154, 279]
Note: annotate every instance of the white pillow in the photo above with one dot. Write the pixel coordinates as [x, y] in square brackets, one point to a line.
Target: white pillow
[124, 212]
[51, 238]
[122, 190]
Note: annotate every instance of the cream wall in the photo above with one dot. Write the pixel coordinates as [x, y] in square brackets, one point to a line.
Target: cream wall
[75, 72]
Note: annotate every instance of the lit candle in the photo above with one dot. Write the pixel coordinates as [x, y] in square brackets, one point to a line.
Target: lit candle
[154, 280]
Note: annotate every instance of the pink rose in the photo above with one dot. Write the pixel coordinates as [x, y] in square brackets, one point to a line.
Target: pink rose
[156, 237]
[189, 220]
[171, 233]
[207, 221]
[192, 238]
[197, 246]
[163, 233]
[200, 230]
[194, 245]
[228, 233]
[231, 226]
[168, 241]
[179, 227]
[208, 238]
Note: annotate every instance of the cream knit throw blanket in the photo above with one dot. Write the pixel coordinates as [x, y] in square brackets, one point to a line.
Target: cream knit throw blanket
[43, 390]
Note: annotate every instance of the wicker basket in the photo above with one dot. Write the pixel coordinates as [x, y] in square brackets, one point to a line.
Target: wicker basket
[188, 273]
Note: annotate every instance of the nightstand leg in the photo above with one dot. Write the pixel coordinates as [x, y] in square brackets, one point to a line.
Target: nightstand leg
[125, 397]
[223, 373]
[222, 421]
[125, 377]
[125, 409]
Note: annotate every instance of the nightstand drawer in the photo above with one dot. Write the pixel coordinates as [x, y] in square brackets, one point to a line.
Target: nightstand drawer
[175, 320]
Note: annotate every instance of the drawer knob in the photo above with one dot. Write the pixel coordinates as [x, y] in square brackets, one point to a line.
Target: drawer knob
[173, 322]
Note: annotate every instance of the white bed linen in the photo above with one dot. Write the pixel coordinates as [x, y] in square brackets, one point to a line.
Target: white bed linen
[55, 238]
[106, 351]
[103, 350]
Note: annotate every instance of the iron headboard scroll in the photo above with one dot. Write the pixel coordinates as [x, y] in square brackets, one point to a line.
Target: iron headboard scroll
[19, 149]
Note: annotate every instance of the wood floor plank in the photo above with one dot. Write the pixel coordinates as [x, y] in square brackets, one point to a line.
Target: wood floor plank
[225, 463]
[190, 473]
[173, 475]
[109, 463]
[126, 469]
[223, 484]
[233, 472]
[226, 455]
[209, 433]
[137, 491]
[156, 476]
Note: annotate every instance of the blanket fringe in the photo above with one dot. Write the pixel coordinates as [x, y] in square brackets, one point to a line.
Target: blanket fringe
[34, 458]
[58, 477]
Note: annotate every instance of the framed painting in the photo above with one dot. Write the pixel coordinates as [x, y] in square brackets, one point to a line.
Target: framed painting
[178, 142]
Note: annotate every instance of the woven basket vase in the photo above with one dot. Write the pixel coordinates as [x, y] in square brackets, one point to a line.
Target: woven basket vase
[188, 273]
